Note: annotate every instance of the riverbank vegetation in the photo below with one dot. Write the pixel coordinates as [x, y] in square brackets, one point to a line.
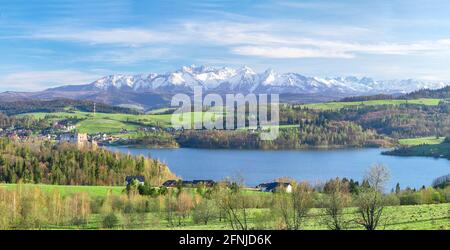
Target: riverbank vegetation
[437, 150]
[306, 135]
[155, 139]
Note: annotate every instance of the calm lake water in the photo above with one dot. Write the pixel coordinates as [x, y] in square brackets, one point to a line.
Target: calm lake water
[258, 166]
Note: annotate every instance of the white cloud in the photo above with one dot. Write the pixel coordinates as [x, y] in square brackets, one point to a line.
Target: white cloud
[275, 40]
[133, 55]
[286, 52]
[282, 39]
[124, 36]
[38, 80]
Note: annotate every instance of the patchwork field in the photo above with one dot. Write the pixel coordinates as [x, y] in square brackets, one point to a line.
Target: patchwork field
[115, 122]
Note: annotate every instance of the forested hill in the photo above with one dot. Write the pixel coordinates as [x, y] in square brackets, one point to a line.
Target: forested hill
[58, 105]
[441, 93]
[66, 164]
[429, 93]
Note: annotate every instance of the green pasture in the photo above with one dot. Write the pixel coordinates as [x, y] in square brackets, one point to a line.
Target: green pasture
[430, 140]
[93, 191]
[113, 123]
[339, 105]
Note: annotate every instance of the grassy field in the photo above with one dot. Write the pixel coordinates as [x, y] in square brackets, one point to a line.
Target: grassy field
[113, 123]
[431, 140]
[338, 105]
[414, 217]
[103, 126]
[93, 191]
[417, 217]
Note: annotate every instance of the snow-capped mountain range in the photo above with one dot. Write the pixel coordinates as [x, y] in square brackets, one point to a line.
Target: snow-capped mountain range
[155, 90]
[246, 80]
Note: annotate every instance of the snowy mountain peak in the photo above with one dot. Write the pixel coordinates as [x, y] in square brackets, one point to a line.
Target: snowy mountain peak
[246, 80]
[247, 70]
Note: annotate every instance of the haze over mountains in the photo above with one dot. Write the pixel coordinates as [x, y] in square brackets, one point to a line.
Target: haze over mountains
[154, 90]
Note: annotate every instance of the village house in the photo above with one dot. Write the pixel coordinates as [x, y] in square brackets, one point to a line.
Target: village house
[275, 186]
[129, 179]
[194, 183]
[206, 183]
[170, 183]
[64, 125]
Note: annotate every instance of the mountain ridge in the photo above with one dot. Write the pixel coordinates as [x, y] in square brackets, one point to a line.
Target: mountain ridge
[246, 80]
[155, 90]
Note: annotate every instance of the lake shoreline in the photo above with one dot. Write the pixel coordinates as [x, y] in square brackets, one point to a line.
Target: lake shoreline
[323, 147]
[312, 165]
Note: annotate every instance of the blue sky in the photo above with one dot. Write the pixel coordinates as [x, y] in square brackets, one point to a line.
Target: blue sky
[49, 43]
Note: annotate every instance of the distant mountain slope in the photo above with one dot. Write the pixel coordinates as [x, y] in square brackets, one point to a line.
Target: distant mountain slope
[155, 90]
[246, 80]
[58, 105]
[429, 93]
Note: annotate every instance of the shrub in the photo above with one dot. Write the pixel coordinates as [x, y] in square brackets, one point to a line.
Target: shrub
[445, 194]
[430, 196]
[392, 200]
[410, 198]
[204, 211]
[110, 221]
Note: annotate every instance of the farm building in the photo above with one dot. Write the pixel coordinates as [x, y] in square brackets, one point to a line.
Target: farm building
[275, 186]
[139, 178]
[170, 183]
[194, 183]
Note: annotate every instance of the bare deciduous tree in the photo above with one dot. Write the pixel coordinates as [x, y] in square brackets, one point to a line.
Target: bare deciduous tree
[337, 198]
[370, 200]
[184, 206]
[234, 205]
[293, 207]
[204, 211]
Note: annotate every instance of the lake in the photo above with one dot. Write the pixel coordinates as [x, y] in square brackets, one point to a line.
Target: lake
[257, 166]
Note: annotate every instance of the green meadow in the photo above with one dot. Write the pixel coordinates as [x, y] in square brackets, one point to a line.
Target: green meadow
[404, 217]
[339, 105]
[64, 190]
[430, 140]
[115, 122]
[417, 217]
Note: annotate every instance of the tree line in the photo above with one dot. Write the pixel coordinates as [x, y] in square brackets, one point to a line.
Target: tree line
[60, 105]
[307, 134]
